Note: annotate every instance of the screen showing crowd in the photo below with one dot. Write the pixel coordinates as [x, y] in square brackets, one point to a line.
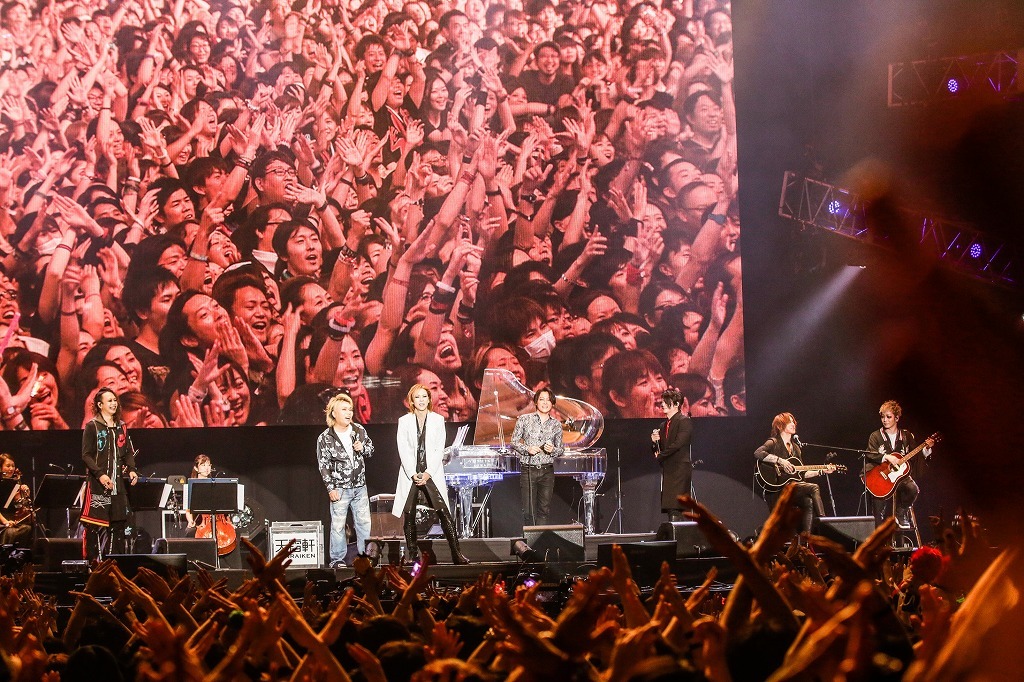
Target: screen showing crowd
[230, 211]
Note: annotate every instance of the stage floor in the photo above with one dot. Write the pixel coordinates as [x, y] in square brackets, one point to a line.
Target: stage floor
[557, 567]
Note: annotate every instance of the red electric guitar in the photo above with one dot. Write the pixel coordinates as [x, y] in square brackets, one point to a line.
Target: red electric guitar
[882, 480]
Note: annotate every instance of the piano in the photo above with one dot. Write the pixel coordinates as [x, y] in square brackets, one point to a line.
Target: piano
[491, 458]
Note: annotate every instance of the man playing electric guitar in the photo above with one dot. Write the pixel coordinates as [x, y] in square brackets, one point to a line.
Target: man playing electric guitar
[886, 445]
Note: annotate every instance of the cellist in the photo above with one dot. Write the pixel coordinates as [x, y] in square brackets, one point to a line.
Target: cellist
[201, 525]
[16, 520]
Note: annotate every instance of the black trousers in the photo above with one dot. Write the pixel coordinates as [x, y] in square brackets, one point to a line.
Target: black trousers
[429, 494]
[101, 542]
[536, 485]
[807, 497]
[903, 496]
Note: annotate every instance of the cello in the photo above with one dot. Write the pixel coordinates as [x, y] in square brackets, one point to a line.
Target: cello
[227, 538]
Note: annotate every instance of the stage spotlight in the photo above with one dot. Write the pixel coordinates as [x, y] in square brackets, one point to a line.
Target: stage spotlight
[834, 207]
[975, 250]
[952, 85]
[526, 553]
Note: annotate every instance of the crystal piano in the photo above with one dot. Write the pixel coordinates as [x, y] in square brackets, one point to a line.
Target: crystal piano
[490, 458]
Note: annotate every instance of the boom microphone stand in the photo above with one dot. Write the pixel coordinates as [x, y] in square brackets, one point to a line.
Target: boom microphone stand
[863, 459]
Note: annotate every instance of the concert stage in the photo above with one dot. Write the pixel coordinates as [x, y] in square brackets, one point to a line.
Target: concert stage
[495, 556]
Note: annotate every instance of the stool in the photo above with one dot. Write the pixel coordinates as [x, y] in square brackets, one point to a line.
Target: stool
[910, 535]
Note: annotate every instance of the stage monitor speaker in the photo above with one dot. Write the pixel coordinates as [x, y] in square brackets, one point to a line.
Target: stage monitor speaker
[690, 542]
[52, 552]
[644, 558]
[849, 531]
[196, 549]
[161, 564]
[556, 543]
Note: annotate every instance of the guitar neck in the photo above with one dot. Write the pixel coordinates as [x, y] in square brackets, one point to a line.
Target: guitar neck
[907, 457]
[812, 467]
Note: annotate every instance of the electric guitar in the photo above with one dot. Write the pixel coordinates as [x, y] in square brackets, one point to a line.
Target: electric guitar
[882, 480]
[772, 477]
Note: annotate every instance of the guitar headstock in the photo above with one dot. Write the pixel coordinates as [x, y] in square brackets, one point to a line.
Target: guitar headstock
[935, 437]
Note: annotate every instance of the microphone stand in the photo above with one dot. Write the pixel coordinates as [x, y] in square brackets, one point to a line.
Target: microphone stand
[863, 465]
[617, 514]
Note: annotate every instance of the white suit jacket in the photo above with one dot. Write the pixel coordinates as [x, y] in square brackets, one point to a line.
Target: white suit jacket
[407, 453]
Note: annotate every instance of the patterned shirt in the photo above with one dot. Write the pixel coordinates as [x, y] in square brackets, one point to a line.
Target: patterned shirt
[530, 431]
[339, 467]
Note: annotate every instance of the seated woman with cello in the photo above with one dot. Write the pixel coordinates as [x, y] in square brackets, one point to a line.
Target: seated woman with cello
[201, 525]
[15, 520]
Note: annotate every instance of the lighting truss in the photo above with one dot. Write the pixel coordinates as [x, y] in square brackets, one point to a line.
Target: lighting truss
[959, 245]
[949, 78]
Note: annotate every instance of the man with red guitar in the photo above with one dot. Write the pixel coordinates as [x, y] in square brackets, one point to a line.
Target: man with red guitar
[888, 444]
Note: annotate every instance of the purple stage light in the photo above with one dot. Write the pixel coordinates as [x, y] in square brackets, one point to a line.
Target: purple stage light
[975, 250]
[834, 207]
[952, 85]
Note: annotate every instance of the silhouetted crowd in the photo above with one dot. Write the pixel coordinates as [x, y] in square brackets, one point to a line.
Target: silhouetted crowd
[802, 610]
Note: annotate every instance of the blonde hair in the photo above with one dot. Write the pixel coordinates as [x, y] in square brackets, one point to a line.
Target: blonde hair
[416, 387]
[891, 406]
[333, 402]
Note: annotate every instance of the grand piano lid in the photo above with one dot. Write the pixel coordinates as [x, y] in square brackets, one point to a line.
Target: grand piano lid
[503, 399]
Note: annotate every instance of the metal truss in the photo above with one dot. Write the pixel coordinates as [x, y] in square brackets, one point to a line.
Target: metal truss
[950, 78]
[958, 245]
[822, 205]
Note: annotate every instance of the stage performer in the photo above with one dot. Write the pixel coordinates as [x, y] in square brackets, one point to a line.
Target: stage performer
[421, 439]
[16, 520]
[109, 457]
[538, 440]
[779, 452]
[886, 445]
[672, 449]
[200, 525]
[341, 453]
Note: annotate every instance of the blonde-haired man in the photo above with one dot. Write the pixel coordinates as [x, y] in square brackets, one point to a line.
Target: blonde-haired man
[341, 452]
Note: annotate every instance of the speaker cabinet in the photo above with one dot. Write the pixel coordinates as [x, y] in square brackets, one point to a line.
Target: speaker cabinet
[52, 552]
[849, 531]
[556, 543]
[161, 564]
[645, 559]
[690, 542]
[194, 549]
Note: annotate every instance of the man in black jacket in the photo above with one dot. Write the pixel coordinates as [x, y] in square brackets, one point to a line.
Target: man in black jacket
[672, 449]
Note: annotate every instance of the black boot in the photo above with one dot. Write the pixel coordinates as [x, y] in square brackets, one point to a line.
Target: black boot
[411, 547]
[452, 536]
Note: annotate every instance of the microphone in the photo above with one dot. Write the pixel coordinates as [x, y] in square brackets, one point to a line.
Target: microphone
[796, 439]
[54, 466]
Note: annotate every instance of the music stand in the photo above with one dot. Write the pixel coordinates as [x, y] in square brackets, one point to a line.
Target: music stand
[148, 494]
[8, 491]
[60, 491]
[214, 496]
